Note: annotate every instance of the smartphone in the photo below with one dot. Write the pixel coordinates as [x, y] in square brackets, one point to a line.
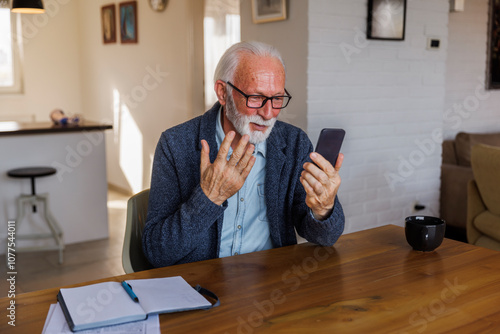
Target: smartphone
[329, 143]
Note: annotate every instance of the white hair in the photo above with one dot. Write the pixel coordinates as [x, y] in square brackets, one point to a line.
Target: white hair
[229, 61]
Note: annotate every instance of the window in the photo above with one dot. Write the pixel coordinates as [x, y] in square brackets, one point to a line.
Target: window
[10, 71]
[221, 30]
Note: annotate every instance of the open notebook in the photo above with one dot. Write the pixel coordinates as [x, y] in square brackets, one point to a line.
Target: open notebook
[109, 303]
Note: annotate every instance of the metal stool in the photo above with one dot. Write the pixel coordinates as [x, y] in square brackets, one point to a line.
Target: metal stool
[33, 199]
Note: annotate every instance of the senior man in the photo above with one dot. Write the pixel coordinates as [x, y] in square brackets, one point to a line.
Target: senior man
[236, 180]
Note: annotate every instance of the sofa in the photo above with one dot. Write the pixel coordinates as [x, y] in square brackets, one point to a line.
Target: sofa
[456, 172]
[483, 198]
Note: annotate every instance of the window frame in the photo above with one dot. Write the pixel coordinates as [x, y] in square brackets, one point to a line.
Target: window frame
[16, 46]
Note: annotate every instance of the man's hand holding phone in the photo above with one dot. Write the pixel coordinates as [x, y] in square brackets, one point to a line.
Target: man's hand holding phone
[321, 179]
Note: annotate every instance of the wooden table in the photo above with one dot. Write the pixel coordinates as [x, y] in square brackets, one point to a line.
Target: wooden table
[369, 282]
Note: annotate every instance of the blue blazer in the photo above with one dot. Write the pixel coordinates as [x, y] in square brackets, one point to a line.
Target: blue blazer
[183, 225]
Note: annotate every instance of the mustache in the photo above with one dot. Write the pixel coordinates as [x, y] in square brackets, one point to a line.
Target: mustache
[258, 120]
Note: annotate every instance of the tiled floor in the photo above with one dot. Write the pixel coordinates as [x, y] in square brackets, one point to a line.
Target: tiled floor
[82, 262]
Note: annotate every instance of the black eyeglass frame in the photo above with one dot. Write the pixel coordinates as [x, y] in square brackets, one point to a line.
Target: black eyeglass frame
[265, 98]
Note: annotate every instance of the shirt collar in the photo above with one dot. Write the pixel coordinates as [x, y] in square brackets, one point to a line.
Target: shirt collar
[219, 136]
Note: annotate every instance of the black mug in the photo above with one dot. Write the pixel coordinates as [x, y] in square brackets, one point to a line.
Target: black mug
[424, 233]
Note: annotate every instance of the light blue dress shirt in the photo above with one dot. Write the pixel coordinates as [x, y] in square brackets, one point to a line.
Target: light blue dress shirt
[245, 228]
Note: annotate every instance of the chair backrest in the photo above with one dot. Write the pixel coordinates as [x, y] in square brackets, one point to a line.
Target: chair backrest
[133, 258]
[485, 161]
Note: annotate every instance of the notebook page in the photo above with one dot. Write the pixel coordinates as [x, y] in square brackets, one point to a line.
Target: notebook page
[167, 294]
[100, 303]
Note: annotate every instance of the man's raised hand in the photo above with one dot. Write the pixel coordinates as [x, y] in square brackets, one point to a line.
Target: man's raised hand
[224, 178]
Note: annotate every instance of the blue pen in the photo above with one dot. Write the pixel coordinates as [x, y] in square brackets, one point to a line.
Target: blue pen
[131, 293]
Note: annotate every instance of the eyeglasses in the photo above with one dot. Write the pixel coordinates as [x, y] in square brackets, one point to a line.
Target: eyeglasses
[258, 101]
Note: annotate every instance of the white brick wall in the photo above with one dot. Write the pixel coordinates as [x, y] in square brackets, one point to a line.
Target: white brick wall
[389, 97]
[466, 68]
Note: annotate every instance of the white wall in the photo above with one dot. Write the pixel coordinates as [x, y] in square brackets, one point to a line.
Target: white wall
[389, 97]
[51, 64]
[143, 88]
[468, 106]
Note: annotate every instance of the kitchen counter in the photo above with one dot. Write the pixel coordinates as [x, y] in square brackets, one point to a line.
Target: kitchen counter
[78, 191]
[17, 128]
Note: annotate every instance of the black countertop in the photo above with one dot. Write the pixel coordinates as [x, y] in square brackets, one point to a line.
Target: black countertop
[18, 128]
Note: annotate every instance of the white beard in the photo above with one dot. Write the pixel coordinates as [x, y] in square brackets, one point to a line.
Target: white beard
[242, 123]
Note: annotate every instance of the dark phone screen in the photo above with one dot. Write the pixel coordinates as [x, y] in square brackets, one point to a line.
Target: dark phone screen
[329, 143]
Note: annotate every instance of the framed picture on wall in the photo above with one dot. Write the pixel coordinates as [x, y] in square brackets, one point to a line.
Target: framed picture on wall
[268, 10]
[386, 19]
[108, 24]
[493, 68]
[128, 22]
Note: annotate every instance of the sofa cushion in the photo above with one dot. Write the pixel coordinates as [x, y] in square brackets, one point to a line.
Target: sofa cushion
[464, 142]
[488, 224]
[448, 155]
[486, 170]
